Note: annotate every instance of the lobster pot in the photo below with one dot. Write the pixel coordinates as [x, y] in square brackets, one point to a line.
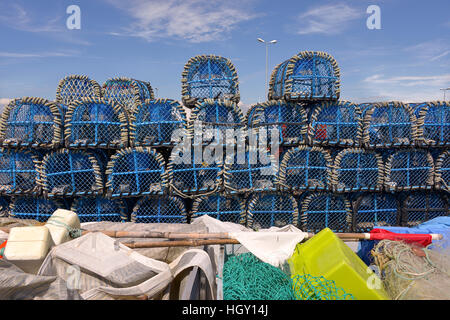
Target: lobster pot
[434, 123]
[135, 172]
[419, 207]
[223, 208]
[358, 170]
[284, 120]
[4, 207]
[305, 168]
[156, 122]
[31, 122]
[309, 75]
[443, 171]
[33, 208]
[409, 169]
[127, 92]
[326, 210]
[210, 120]
[76, 87]
[71, 173]
[390, 124]
[266, 210]
[336, 124]
[18, 172]
[96, 123]
[209, 77]
[375, 210]
[100, 209]
[163, 209]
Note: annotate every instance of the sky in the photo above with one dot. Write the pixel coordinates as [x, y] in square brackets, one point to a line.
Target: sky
[408, 59]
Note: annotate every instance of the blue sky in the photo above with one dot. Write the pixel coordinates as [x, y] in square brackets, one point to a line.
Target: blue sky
[407, 60]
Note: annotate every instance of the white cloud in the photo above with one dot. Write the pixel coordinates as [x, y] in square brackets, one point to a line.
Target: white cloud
[19, 55]
[410, 81]
[430, 50]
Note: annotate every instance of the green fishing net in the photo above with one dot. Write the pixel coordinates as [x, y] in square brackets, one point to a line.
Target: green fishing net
[307, 287]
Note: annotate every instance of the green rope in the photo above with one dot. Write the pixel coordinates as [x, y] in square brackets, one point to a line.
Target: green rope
[73, 232]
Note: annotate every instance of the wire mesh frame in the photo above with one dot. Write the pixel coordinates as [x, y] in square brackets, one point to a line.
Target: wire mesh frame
[159, 209]
[326, 210]
[337, 123]
[290, 119]
[357, 170]
[39, 209]
[31, 122]
[419, 207]
[70, 173]
[301, 78]
[209, 77]
[373, 210]
[136, 172]
[154, 122]
[221, 207]
[127, 92]
[96, 123]
[390, 124]
[305, 168]
[433, 122]
[266, 210]
[410, 169]
[100, 209]
[75, 87]
[442, 174]
[18, 172]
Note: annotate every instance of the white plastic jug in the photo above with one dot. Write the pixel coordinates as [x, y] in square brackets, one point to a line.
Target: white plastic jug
[60, 224]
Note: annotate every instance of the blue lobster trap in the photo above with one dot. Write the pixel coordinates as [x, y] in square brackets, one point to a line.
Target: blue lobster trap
[337, 123]
[96, 123]
[4, 207]
[18, 172]
[409, 169]
[358, 170]
[34, 208]
[127, 92]
[419, 207]
[135, 172]
[31, 122]
[305, 168]
[326, 210]
[442, 178]
[223, 208]
[309, 75]
[209, 77]
[76, 87]
[390, 124]
[434, 123]
[71, 173]
[266, 210]
[290, 120]
[162, 209]
[100, 209]
[155, 122]
[375, 210]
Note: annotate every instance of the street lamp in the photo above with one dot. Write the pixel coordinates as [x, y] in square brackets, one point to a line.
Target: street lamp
[445, 89]
[267, 56]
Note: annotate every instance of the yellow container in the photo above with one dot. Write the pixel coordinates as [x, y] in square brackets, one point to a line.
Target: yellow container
[328, 256]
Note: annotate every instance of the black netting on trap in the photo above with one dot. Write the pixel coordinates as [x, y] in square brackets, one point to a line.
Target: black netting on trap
[443, 171]
[76, 87]
[135, 172]
[156, 121]
[336, 123]
[434, 123]
[375, 210]
[289, 119]
[266, 210]
[420, 207]
[31, 122]
[33, 208]
[18, 172]
[4, 207]
[96, 123]
[69, 173]
[209, 77]
[409, 169]
[223, 208]
[164, 209]
[127, 92]
[326, 210]
[358, 170]
[100, 209]
[390, 124]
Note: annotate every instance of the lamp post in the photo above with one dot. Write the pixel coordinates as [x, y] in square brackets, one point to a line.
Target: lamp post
[445, 89]
[267, 57]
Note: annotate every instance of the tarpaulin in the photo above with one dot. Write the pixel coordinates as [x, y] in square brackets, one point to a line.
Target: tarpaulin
[420, 239]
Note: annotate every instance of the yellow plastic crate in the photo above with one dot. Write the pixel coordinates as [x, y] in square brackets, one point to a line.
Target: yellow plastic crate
[327, 255]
